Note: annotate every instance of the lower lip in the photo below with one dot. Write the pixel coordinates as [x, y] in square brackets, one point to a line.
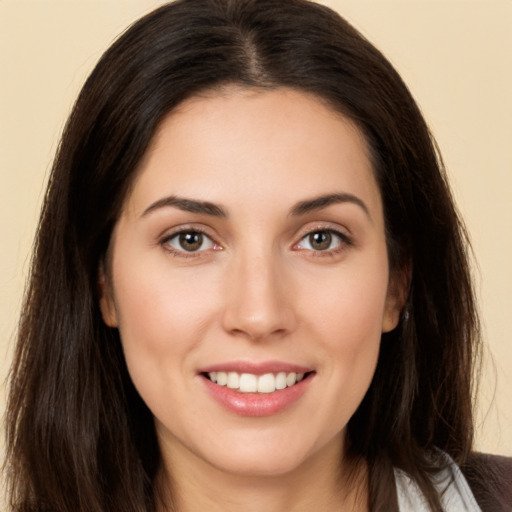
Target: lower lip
[257, 404]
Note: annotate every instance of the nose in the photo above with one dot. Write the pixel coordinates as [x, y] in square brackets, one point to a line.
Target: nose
[259, 298]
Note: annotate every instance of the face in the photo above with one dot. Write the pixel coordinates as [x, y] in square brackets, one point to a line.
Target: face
[251, 252]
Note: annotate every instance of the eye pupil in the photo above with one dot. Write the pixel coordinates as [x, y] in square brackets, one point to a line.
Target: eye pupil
[320, 240]
[191, 241]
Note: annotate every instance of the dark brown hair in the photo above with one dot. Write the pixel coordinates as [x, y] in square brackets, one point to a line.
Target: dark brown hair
[79, 437]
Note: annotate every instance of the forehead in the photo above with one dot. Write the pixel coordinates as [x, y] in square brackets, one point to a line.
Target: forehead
[267, 144]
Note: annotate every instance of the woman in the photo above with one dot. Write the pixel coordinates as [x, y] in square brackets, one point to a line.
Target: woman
[250, 289]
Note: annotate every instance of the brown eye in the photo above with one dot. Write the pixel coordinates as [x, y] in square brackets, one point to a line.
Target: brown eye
[190, 241]
[323, 240]
[320, 240]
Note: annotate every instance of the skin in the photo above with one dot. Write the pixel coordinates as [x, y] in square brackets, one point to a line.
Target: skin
[256, 290]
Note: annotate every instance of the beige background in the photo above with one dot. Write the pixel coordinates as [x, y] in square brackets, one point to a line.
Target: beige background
[455, 55]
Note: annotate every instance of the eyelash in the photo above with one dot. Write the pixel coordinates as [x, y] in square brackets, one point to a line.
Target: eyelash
[344, 243]
[165, 243]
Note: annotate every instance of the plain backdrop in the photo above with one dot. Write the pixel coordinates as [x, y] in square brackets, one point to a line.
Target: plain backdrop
[456, 57]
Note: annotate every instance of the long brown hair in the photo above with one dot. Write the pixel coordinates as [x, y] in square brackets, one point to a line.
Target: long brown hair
[79, 437]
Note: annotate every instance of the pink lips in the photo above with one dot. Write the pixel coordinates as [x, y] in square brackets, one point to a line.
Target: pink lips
[256, 404]
[255, 368]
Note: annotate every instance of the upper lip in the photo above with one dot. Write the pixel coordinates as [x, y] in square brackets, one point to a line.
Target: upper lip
[256, 368]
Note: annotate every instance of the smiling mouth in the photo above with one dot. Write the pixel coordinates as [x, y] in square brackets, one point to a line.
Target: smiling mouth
[251, 383]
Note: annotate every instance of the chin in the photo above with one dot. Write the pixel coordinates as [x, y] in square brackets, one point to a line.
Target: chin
[265, 456]
[258, 465]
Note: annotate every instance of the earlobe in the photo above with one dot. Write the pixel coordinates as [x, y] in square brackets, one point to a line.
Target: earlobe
[395, 301]
[391, 315]
[106, 301]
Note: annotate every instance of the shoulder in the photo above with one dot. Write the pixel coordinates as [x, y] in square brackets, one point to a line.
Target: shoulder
[490, 479]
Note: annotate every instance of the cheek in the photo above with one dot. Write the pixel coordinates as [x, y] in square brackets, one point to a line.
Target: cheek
[346, 315]
[347, 306]
[159, 302]
[351, 333]
[162, 318]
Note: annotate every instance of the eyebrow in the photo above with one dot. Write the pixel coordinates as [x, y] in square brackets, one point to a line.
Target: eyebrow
[301, 208]
[318, 203]
[187, 205]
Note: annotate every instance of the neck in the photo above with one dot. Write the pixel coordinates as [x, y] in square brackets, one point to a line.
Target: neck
[328, 481]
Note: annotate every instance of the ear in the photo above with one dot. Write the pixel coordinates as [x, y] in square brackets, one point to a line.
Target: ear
[106, 299]
[398, 289]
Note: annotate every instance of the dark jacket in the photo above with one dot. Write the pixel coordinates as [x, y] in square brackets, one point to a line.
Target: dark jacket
[490, 479]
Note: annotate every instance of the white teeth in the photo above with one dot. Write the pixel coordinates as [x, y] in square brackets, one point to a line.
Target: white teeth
[250, 383]
[233, 380]
[291, 378]
[266, 383]
[281, 380]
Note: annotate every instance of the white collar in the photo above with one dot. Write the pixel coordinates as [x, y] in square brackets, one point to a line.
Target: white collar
[456, 495]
